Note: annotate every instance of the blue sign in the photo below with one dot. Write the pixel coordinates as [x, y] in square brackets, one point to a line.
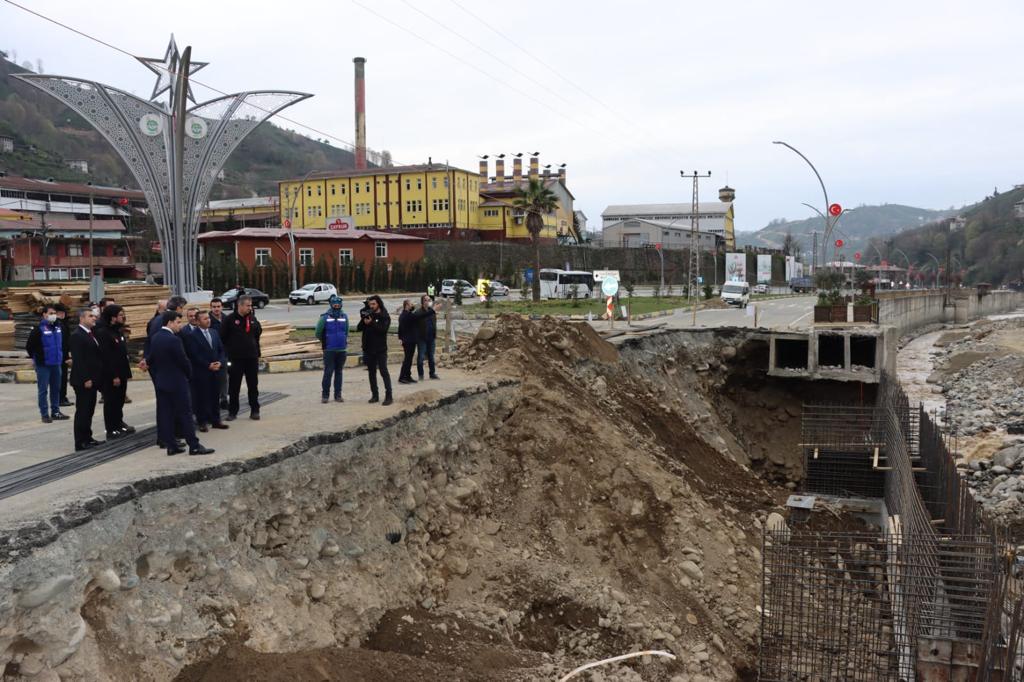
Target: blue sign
[528, 275]
[609, 286]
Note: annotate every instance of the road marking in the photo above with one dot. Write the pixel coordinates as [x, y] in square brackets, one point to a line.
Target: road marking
[9, 452]
[799, 318]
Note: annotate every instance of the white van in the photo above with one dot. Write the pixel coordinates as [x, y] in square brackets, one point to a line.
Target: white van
[736, 293]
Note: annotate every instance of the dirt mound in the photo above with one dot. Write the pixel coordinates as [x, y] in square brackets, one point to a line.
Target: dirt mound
[512, 342]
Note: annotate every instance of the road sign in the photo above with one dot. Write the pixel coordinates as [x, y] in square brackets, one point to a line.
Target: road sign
[657, 247]
[835, 210]
[609, 286]
[839, 243]
[287, 224]
[600, 275]
[856, 256]
[885, 263]
[528, 275]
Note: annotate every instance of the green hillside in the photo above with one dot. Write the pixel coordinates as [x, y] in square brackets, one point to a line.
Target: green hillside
[47, 134]
[988, 248]
[856, 227]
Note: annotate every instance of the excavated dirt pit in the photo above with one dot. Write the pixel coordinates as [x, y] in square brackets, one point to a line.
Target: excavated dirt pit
[610, 501]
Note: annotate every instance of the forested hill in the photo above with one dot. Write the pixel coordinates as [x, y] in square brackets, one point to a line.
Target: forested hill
[988, 246]
[47, 135]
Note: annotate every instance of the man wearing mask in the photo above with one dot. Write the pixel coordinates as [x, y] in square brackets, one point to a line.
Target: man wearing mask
[46, 348]
[332, 330]
[426, 336]
[206, 352]
[407, 337]
[241, 337]
[171, 372]
[374, 322]
[86, 377]
[116, 369]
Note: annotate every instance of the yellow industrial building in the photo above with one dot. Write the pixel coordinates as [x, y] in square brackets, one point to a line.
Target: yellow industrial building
[432, 200]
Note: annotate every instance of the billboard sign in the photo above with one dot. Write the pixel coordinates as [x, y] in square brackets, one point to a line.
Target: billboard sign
[600, 275]
[790, 267]
[764, 268]
[340, 224]
[736, 267]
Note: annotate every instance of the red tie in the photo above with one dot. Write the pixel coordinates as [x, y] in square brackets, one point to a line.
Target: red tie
[93, 337]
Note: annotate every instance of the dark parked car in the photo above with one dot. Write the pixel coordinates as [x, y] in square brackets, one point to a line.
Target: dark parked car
[259, 299]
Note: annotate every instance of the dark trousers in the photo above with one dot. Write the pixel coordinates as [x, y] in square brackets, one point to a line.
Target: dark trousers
[174, 413]
[378, 362]
[85, 408]
[48, 385]
[425, 348]
[206, 396]
[334, 366]
[113, 405]
[249, 368]
[406, 372]
[222, 385]
[64, 371]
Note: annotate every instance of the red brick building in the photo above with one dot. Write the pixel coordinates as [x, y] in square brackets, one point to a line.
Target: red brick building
[258, 247]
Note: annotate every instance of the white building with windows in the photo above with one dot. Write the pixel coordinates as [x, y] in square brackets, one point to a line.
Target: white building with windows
[624, 222]
[641, 232]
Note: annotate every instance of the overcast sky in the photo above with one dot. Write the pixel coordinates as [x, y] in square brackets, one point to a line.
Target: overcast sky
[908, 102]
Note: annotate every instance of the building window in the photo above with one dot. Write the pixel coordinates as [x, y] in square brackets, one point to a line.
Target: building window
[333, 190]
[344, 256]
[490, 213]
[262, 258]
[419, 183]
[367, 186]
[309, 191]
[305, 256]
[440, 204]
[356, 185]
[39, 274]
[433, 183]
[319, 191]
[58, 273]
[77, 273]
[446, 182]
[381, 249]
[414, 206]
[408, 184]
[74, 249]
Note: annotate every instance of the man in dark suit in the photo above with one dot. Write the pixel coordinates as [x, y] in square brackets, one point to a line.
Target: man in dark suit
[171, 371]
[86, 377]
[205, 350]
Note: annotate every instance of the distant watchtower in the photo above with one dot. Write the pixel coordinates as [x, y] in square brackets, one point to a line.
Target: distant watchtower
[727, 195]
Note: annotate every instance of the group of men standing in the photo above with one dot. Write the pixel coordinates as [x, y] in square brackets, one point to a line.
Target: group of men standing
[187, 359]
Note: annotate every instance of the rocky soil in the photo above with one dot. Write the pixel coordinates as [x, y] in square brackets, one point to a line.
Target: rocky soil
[608, 502]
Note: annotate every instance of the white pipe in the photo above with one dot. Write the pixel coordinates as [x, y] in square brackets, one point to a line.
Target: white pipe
[614, 660]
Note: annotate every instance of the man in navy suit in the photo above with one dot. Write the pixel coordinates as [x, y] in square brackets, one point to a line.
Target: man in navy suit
[204, 348]
[86, 377]
[171, 371]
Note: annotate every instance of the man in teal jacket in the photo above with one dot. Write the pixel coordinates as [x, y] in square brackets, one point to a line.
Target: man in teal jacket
[332, 330]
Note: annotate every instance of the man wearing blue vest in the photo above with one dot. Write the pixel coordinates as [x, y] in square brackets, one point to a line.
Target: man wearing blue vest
[46, 348]
[332, 330]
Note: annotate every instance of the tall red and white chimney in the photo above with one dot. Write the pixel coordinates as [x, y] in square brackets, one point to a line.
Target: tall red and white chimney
[360, 63]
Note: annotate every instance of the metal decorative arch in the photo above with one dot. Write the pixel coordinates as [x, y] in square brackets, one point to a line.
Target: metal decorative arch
[175, 154]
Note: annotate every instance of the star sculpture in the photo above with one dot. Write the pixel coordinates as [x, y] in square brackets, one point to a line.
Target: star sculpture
[167, 68]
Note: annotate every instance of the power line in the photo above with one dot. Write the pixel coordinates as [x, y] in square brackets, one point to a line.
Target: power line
[475, 67]
[200, 83]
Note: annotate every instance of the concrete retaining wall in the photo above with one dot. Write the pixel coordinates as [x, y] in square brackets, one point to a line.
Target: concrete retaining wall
[908, 310]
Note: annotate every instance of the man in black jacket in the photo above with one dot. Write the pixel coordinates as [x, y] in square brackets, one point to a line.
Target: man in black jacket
[86, 377]
[407, 336]
[426, 336]
[68, 329]
[116, 369]
[206, 352]
[171, 371]
[374, 322]
[240, 334]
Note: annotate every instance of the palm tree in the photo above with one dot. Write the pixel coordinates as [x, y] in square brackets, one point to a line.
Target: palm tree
[535, 201]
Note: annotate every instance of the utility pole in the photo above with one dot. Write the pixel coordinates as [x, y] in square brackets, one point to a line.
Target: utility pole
[694, 283]
[814, 254]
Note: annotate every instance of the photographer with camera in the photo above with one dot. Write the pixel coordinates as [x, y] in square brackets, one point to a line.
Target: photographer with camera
[374, 322]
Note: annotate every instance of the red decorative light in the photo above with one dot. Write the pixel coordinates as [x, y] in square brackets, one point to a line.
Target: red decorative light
[123, 201]
[834, 210]
[839, 243]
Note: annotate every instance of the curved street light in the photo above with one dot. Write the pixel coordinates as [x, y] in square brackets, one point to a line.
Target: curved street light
[291, 235]
[829, 222]
[938, 266]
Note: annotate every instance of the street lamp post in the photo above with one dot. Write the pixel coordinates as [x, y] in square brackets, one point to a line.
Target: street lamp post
[291, 234]
[937, 266]
[829, 221]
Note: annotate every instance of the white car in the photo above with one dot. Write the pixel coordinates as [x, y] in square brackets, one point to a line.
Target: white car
[312, 293]
[499, 289]
[448, 288]
[761, 289]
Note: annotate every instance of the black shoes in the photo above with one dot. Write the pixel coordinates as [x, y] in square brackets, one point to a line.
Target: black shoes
[373, 399]
[111, 435]
[127, 429]
[434, 376]
[59, 416]
[174, 451]
[406, 380]
[254, 415]
[323, 399]
[64, 402]
[232, 417]
[218, 425]
[201, 450]
[338, 399]
[88, 445]
[178, 445]
[387, 400]
[47, 419]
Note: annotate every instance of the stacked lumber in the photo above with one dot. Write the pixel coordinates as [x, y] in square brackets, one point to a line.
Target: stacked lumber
[12, 361]
[138, 300]
[6, 334]
[274, 342]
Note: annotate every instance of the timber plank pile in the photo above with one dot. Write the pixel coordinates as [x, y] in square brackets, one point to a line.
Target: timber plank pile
[274, 343]
[6, 335]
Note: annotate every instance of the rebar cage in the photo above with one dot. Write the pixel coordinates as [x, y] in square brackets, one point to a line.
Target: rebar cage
[930, 596]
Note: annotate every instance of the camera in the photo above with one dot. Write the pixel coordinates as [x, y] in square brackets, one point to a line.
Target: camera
[366, 312]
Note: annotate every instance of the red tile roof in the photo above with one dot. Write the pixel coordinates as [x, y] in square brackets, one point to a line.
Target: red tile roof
[44, 186]
[278, 233]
